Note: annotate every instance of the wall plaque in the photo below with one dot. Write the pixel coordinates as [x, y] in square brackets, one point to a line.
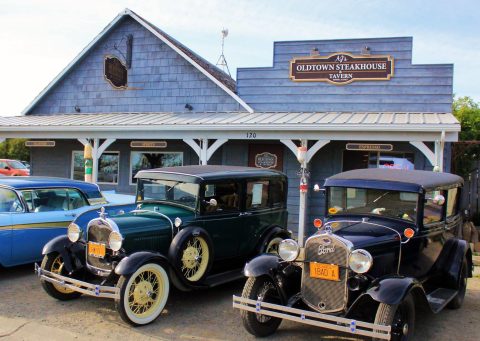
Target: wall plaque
[341, 68]
[115, 72]
[266, 160]
[148, 144]
[39, 143]
[378, 147]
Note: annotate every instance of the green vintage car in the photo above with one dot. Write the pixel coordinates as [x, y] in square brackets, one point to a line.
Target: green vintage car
[192, 226]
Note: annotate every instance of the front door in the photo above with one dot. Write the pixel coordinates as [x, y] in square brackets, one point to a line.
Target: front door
[266, 156]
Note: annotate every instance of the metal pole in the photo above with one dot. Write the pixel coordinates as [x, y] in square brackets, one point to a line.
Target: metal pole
[303, 198]
[95, 161]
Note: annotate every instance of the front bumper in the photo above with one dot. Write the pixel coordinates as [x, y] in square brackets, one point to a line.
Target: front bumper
[78, 286]
[337, 323]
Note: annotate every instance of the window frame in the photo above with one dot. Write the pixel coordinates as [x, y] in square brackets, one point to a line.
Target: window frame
[268, 203]
[241, 186]
[19, 198]
[130, 170]
[72, 166]
[443, 213]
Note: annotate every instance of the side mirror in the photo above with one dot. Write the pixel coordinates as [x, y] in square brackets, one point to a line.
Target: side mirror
[7, 168]
[212, 202]
[439, 199]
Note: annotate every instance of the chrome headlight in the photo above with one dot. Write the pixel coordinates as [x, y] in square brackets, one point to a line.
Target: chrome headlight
[178, 222]
[360, 261]
[74, 232]
[115, 241]
[288, 250]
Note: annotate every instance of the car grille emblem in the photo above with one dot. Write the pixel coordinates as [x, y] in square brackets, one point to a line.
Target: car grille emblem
[323, 250]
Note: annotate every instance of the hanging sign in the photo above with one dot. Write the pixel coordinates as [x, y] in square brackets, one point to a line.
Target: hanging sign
[148, 144]
[115, 72]
[341, 68]
[39, 143]
[378, 147]
[266, 160]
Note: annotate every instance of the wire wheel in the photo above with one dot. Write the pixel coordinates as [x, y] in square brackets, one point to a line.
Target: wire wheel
[272, 246]
[57, 268]
[195, 257]
[144, 295]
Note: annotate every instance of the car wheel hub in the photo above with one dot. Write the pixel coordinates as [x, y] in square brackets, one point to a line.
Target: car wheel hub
[143, 292]
[190, 257]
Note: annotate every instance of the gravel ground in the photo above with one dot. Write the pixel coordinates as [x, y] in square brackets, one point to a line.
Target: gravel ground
[28, 313]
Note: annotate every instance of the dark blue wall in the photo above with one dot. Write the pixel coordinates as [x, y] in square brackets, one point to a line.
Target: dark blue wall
[413, 88]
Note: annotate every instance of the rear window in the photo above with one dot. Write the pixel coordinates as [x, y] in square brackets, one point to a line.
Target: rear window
[95, 197]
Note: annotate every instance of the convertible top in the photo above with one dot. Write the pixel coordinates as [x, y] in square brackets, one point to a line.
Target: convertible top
[395, 179]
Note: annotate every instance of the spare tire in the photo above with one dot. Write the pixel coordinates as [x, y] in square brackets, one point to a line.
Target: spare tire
[191, 254]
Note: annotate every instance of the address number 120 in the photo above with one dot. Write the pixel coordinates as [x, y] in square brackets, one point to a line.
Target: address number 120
[251, 135]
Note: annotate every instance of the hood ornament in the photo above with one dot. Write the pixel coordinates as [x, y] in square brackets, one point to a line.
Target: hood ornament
[328, 229]
[102, 212]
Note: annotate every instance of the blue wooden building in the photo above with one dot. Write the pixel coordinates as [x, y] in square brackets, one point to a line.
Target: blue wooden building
[142, 99]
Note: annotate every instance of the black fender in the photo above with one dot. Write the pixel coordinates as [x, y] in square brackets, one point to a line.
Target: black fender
[174, 250]
[393, 290]
[128, 265]
[272, 232]
[73, 254]
[285, 275]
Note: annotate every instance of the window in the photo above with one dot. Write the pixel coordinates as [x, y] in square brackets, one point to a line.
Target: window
[16, 164]
[180, 193]
[150, 160]
[432, 211]
[9, 201]
[75, 199]
[46, 200]
[452, 202]
[257, 195]
[107, 167]
[226, 195]
[277, 193]
[364, 159]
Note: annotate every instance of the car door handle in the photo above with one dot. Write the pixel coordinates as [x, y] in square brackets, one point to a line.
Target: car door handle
[73, 215]
[244, 214]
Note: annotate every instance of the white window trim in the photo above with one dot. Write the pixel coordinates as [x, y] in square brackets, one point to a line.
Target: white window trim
[151, 152]
[99, 182]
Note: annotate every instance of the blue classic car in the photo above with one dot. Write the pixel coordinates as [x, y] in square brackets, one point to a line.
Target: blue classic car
[33, 210]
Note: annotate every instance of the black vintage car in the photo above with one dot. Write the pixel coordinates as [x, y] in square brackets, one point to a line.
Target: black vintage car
[192, 226]
[391, 242]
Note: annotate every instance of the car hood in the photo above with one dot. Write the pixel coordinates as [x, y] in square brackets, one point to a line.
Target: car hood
[370, 232]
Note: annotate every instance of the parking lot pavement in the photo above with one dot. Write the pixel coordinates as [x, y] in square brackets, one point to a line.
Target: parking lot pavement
[28, 313]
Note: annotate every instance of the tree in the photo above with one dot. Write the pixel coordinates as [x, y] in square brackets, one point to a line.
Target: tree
[14, 149]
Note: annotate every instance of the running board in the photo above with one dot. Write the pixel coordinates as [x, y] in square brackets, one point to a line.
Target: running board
[439, 298]
[224, 277]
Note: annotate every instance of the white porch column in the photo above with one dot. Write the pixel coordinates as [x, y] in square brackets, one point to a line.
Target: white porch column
[97, 151]
[202, 150]
[302, 214]
[435, 158]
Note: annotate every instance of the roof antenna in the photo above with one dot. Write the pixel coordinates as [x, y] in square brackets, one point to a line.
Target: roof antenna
[222, 62]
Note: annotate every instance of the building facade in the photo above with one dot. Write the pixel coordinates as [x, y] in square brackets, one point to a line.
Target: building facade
[144, 100]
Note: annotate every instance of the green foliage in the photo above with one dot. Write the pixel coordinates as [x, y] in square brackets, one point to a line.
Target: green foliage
[14, 149]
[467, 151]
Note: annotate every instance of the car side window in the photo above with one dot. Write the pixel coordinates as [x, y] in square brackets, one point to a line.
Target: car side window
[257, 195]
[3, 164]
[452, 202]
[226, 195]
[75, 199]
[47, 200]
[277, 193]
[9, 201]
[432, 210]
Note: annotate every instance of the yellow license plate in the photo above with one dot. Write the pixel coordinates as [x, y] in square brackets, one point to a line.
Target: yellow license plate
[96, 250]
[329, 272]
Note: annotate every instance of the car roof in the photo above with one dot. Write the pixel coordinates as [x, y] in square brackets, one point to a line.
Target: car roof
[25, 182]
[395, 179]
[207, 172]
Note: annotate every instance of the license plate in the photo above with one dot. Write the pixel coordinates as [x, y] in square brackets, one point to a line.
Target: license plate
[330, 272]
[96, 250]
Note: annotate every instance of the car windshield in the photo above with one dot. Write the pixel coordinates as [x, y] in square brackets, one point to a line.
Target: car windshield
[181, 193]
[16, 164]
[354, 201]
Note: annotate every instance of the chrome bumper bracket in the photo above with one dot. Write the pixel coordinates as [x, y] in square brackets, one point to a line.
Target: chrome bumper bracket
[312, 318]
[77, 285]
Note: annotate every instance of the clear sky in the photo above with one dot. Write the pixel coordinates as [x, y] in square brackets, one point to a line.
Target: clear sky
[38, 38]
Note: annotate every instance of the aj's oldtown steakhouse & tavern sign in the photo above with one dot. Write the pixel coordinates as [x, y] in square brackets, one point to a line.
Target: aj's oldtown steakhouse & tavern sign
[341, 68]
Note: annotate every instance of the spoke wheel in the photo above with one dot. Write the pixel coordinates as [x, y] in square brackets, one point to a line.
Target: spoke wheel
[260, 289]
[54, 263]
[400, 317]
[195, 257]
[272, 246]
[143, 295]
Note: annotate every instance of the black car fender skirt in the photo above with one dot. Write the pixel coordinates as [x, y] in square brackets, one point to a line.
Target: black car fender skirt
[393, 290]
[131, 263]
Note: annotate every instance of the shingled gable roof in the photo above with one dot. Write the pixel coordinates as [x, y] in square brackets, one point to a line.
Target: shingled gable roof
[220, 78]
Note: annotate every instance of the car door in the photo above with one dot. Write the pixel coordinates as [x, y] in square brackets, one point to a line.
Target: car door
[222, 221]
[7, 197]
[50, 211]
[4, 170]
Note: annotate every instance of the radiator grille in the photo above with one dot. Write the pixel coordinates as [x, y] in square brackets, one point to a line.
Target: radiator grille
[99, 232]
[324, 295]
